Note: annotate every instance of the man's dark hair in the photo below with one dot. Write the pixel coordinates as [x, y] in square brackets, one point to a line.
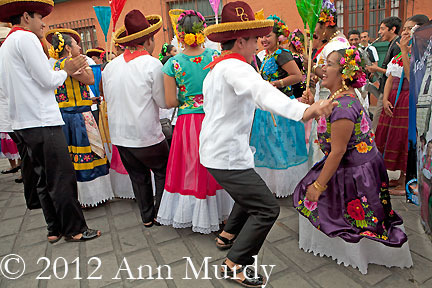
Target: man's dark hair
[419, 19]
[16, 20]
[353, 32]
[228, 45]
[391, 22]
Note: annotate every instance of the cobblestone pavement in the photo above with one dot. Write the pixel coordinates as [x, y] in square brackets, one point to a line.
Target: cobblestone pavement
[23, 232]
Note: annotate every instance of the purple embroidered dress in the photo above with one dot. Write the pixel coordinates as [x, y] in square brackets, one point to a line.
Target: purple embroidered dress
[356, 204]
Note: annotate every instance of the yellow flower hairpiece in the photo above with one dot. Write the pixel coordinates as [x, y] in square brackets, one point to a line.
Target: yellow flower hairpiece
[55, 53]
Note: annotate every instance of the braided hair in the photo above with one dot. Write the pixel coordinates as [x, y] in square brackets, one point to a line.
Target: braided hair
[58, 42]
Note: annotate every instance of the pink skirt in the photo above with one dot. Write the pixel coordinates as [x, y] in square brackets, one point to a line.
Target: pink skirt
[8, 147]
[116, 162]
[185, 174]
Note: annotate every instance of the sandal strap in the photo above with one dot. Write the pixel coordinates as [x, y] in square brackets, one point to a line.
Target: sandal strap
[226, 240]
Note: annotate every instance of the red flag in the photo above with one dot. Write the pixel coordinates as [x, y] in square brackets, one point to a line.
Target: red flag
[116, 9]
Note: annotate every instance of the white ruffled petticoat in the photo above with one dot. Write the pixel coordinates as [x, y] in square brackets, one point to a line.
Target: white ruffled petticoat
[203, 215]
[282, 182]
[357, 255]
[97, 191]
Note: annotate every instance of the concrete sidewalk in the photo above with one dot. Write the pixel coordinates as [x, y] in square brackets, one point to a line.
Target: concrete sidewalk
[125, 239]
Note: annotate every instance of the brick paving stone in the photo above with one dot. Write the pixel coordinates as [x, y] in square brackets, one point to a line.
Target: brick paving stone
[5, 195]
[62, 277]
[291, 223]
[36, 221]
[396, 281]
[3, 203]
[161, 234]
[333, 278]
[422, 269]
[120, 206]
[427, 284]
[173, 251]
[291, 279]
[69, 251]
[179, 275]
[279, 232]
[421, 245]
[306, 261]
[376, 273]
[150, 284]
[14, 212]
[126, 221]
[107, 271]
[143, 259]
[6, 244]
[95, 212]
[31, 256]
[205, 244]
[132, 239]
[28, 281]
[99, 246]
[31, 237]
[10, 226]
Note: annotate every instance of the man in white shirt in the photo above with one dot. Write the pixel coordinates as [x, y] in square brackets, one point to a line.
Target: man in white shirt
[372, 52]
[29, 82]
[232, 90]
[133, 89]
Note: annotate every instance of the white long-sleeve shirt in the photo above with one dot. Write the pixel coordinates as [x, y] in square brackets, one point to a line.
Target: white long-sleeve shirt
[29, 81]
[134, 91]
[232, 90]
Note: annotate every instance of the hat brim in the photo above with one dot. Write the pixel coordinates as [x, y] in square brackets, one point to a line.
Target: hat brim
[121, 38]
[94, 52]
[224, 32]
[66, 31]
[10, 8]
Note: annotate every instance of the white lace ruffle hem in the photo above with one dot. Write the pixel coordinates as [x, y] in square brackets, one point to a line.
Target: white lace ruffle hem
[97, 191]
[203, 215]
[283, 182]
[357, 255]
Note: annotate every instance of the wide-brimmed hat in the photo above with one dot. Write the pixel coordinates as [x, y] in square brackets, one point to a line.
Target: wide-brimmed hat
[70, 32]
[137, 29]
[238, 20]
[95, 52]
[10, 8]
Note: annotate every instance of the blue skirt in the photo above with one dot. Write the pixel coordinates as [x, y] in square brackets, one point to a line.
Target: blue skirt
[88, 165]
[278, 147]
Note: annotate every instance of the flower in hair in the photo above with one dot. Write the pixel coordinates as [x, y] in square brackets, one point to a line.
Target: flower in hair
[196, 37]
[282, 29]
[328, 13]
[55, 52]
[352, 64]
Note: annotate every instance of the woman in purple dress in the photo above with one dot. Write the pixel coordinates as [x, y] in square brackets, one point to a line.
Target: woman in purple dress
[344, 200]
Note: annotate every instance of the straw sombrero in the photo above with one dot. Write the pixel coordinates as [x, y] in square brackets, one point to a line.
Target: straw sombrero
[137, 29]
[238, 20]
[95, 52]
[10, 8]
[70, 32]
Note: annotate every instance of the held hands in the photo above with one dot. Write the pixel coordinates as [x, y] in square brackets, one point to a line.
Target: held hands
[320, 108]
[72, 65]
[388, 108]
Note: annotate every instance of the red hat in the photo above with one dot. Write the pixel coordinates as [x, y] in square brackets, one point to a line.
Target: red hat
[238, 20]
[95, 52]
[10, 8]
[70, 32]
[138, 28]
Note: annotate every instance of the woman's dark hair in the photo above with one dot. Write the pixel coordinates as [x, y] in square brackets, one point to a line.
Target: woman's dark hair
[188, 21]
[391, 22]
[419, 19]
[16, 20]
[67, 41]
[168, 49]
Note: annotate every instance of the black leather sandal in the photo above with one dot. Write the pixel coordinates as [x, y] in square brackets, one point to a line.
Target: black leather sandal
[87, 235]
[249, 281]
[227, 243]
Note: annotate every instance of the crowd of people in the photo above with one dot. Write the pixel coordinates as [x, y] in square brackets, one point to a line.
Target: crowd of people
[202, 138]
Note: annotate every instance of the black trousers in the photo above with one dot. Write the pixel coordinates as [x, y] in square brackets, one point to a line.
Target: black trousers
[138, 163]
[254, 213]
[30, 178]
[57, 186]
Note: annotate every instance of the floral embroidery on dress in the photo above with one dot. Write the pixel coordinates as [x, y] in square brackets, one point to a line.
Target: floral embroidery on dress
[270, 70]
[198, 101]
[359, 214]
[362, 147]
[197, 59]
[308, 209]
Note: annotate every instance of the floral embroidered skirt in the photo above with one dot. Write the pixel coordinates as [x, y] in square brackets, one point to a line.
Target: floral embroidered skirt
[392, 132]
[192, 197]
[355, 205]
[94, 185]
